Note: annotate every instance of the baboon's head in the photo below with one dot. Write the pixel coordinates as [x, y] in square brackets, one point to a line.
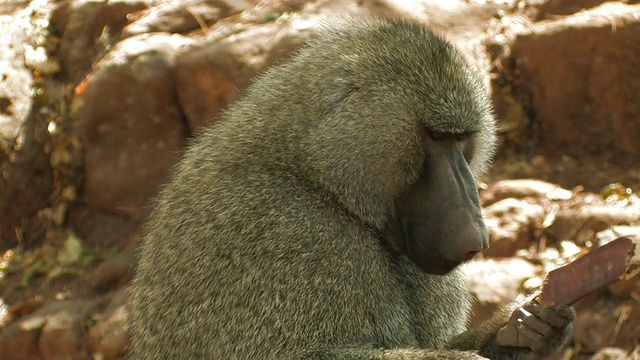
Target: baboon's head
[397, 127]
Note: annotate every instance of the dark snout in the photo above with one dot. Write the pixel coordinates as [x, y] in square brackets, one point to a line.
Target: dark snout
[440, 248]
[450, 229]
[468, 238]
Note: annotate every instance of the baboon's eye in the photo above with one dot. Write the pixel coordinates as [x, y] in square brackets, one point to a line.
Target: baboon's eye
[442, 136]
[438, 136]
[463, 136]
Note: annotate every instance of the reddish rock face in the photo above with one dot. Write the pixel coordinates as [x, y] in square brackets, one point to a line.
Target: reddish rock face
[211, 74]
[130, 123]
[181, 17]
[580, 79]
[54, 329]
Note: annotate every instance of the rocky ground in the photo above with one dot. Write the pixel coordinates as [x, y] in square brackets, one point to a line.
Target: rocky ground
[98, 99]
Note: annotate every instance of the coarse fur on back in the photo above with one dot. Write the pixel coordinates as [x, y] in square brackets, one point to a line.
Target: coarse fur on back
[269, 240]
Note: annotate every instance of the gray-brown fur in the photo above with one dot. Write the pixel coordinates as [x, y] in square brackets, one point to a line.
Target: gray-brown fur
[275, 237]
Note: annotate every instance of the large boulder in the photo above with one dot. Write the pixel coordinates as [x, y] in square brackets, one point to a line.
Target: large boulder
[579, 78]
[130, 124]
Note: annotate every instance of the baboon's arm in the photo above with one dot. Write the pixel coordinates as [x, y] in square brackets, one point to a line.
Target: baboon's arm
[530, 331]
[482, 335]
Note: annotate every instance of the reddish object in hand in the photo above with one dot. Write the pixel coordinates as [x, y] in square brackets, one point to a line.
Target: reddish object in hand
[599, 268]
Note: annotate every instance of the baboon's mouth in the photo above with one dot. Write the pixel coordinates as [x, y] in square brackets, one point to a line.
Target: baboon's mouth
[435, 265]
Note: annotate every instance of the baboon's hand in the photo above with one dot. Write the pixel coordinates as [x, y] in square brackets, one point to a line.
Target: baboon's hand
[539, 328]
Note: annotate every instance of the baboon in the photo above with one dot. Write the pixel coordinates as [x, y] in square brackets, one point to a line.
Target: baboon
[326, 215]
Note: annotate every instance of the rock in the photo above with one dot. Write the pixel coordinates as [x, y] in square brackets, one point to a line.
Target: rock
[553, 8]
[108, 337]
[89, 28]
[615, 232]
[522, 188]
[99, 228]
[16, 81]
[585, 104]
[25, 172]
[130, 123]
[211, 73]
[580, 221]
[611, 353]
[183, 16]
[505, 278]
[511, 225]
[19, 339]
[55, 331]
[63, 333]
[25, 186]
[11, 7]
[115, 271]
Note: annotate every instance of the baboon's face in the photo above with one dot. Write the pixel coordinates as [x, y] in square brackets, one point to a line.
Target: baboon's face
[404, 124]
[439, 222]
